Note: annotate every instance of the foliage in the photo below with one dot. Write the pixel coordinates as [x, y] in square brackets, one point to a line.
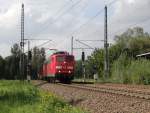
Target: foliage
[2, 67]
[132, 71]
[95, 63]
[118, 69]
[10, 66]
[37, 61]
[22, 97]
[126, 68]
[122, 55]
[78, 69]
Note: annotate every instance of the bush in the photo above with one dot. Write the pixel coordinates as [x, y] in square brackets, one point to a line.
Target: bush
[22, 97]
[131, 71]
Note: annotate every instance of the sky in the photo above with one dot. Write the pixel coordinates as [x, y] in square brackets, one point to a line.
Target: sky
[59, 20]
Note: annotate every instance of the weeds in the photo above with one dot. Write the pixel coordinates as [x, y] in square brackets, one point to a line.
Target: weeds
[131, 71]
[22, 97]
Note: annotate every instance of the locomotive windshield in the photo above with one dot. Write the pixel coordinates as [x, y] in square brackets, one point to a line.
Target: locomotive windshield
[60, 59]
[69, 58]
[64, 58]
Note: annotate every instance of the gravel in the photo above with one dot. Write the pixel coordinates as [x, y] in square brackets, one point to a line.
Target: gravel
[96, 102]
[142, 88]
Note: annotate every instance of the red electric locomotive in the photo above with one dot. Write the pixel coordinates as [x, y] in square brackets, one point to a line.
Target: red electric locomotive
[59, 66]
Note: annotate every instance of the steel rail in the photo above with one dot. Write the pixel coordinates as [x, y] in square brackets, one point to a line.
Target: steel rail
[123, 92]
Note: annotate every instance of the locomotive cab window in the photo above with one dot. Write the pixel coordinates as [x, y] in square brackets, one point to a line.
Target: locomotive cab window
[69, 58]
[60, 59]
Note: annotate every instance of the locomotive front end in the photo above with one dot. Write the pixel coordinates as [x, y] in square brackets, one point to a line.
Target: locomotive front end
[65, 67]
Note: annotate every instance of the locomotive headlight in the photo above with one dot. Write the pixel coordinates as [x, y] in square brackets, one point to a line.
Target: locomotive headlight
[58, 67]
[69, 71]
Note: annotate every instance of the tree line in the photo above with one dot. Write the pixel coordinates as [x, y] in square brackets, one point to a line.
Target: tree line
[10, 65]
[124, 66]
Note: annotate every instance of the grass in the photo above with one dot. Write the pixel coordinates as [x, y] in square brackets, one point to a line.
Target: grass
[22, 97]
[135, 72]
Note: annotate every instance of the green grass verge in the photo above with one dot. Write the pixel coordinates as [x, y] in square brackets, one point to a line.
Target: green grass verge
[22, 97]
[133, 72]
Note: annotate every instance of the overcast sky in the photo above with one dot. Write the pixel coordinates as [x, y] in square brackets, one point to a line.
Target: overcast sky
[59, 20]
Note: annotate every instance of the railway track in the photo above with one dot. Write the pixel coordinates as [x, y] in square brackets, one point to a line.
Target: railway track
[124, 92]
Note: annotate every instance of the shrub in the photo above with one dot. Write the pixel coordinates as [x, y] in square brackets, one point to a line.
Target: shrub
[133, 71]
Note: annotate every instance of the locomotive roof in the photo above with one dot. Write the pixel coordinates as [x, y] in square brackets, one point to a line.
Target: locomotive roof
[61, 52]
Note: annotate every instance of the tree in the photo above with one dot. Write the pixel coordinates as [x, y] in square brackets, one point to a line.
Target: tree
[37, 61]
[2, 68]
[11, 66]
[16, 51]
[78, 69]
[131, 43]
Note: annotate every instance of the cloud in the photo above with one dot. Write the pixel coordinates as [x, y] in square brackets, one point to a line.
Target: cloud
[4, 49]
[8, 19]
[52, 19]
[130, 13]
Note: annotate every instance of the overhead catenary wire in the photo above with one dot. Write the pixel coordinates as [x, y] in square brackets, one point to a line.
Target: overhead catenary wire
[43, 43]
[134, 24]
[61, 15]
[112, 2]
[97, 14]
[145, 20]
[84, 44]
[93, 17]
[57, 12]
[116, 32]
[92, 40]
[69, 9]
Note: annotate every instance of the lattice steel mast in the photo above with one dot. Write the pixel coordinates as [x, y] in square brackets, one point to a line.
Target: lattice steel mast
[22, 44]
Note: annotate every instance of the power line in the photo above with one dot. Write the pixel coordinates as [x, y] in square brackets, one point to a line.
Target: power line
[79, 15]
[59, 10]
[145, 20]
[44, 43]
[58, 17]
[92, 18]
[84, 44]
[37, 39]
[112, 2]
[97, 14]
[134, 24]
[69, 9]
[92, 40]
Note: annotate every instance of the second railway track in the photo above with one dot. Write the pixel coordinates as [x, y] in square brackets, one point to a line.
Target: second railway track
[125, 92]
